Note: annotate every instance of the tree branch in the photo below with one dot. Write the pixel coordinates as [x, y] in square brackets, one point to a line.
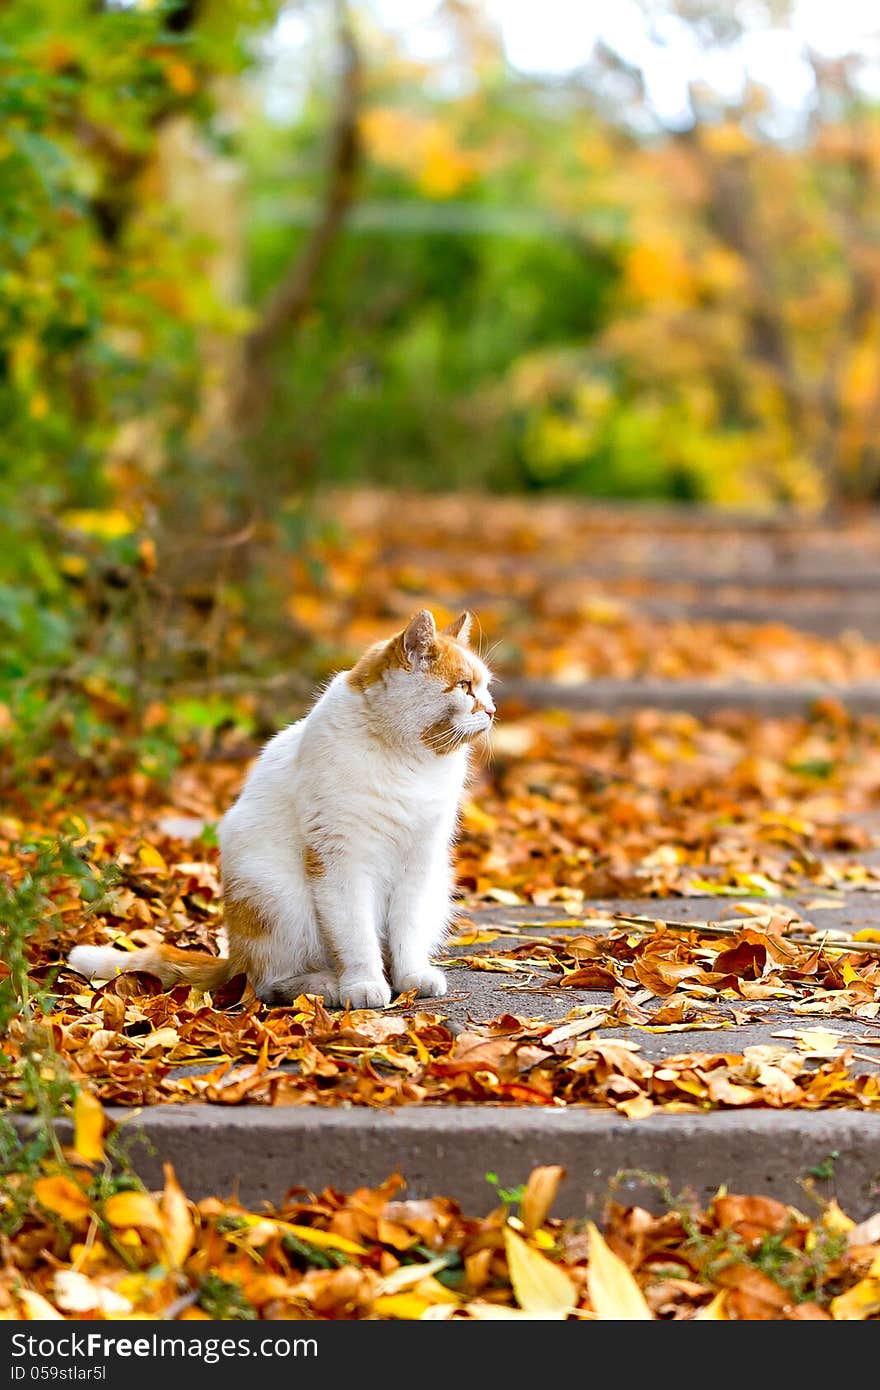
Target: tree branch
[293, 295]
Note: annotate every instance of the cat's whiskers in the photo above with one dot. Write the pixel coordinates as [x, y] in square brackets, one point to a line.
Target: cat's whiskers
[451, 739]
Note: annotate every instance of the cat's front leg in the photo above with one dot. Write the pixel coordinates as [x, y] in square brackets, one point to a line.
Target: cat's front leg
[345, 903]
[418, 916]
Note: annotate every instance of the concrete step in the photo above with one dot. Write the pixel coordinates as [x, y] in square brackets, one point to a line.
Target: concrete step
[261, 1152]
[820, 619]
[699, 698]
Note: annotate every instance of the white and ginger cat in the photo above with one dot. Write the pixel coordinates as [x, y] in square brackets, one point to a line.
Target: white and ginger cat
[336, 855]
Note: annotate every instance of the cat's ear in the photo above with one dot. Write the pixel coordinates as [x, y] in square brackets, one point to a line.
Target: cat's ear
[460, 627]
[420, 638]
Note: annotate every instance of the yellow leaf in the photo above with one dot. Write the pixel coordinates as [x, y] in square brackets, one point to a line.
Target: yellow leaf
[84, 1254]
[471, 936]
[857, 1303]
[476, 819]
[107, 525]
[37, 1308]
[179, 1230]
[133, 1209]
[88, 1127]
[614, 1292]
[323, 1240]
[125, 942]
[759, 883]
[660, 272]
[400, 1305]
[539, 1196]
[61, 1196]
[718, 890]
[542, 1289]
[73, 565]
[727, 138]
[714, 1311]
[504, 896]
[833, 1219]
[435, 1292]
[180, 77]
[151, 858]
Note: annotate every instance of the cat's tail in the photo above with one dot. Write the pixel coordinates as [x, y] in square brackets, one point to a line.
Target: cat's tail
[172, 965]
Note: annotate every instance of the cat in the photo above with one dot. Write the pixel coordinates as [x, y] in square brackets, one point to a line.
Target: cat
[336, 855]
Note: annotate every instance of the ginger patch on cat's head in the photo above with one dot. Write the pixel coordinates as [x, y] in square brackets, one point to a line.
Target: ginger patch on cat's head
[419, 647]
[376, 663]
[429, 683]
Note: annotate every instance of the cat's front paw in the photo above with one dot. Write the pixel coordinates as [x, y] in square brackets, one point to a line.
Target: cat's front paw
[365, 994]
[428, 982]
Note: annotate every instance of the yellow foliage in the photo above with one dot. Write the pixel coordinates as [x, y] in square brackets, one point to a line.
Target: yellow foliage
[861, 381]
[722, 270]
[557, 440]
[107, 525]
[726, 139]
[179, 76]
[659, 271]
[422, 147]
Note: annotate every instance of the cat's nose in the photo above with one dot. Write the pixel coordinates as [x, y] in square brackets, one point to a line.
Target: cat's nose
[490, 710]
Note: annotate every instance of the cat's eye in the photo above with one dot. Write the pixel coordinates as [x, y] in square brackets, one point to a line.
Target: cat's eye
[465, 685]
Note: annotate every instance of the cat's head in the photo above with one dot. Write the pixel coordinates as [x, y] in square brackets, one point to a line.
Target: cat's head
[427, 686]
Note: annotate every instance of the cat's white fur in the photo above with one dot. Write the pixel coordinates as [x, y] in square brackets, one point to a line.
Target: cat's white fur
[340, 841]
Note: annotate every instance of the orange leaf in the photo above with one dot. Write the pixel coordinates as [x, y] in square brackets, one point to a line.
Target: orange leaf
[63, 1198]
[179, 1229]
[133, 1209]
[539, 1196]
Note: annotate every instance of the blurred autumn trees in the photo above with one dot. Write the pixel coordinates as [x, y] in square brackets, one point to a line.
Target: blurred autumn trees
[106, 293]
[423, 273]
[600, 302]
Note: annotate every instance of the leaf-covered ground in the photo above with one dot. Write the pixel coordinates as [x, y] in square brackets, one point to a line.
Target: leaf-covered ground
[570, 806]
[89, 1248]
[541, 577]
[561, 592]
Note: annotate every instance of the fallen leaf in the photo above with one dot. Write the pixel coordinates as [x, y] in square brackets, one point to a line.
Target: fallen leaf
[614, 1292]
[76, 1293]
[179, 1230]
[62, 1196]
[133, 1209]
[539, 1196]
[88, 1127]
[37, 1308]
[542, 1289]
